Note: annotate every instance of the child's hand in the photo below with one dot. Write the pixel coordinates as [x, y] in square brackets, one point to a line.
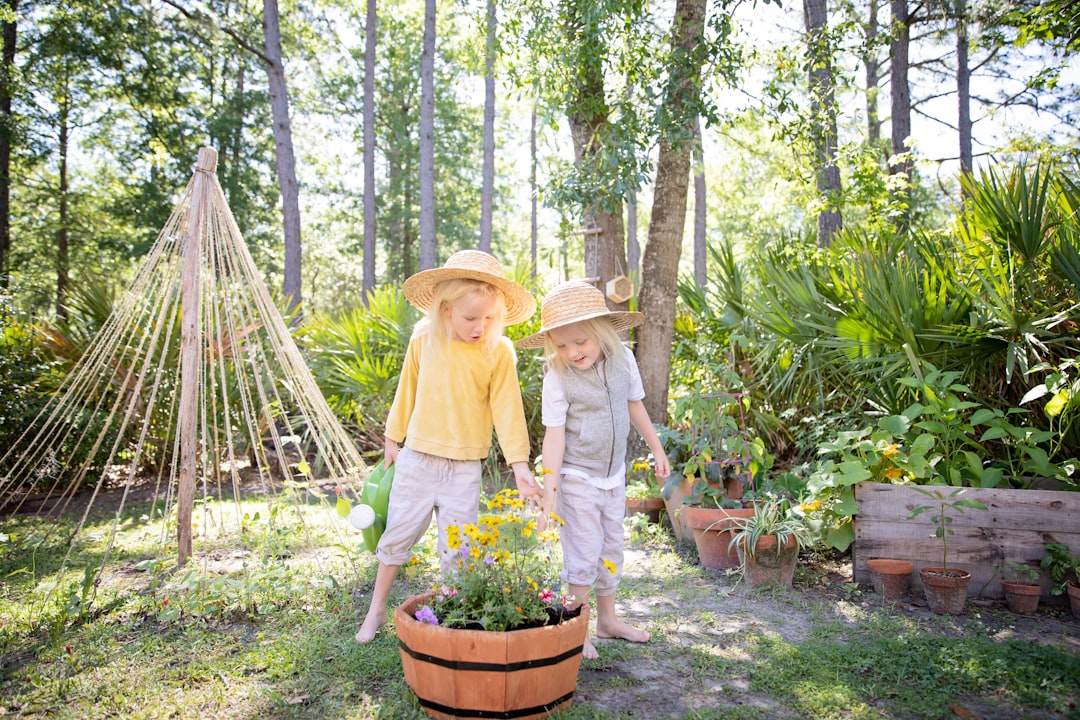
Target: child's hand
[663, 467]
[527, 486]
[390, 451]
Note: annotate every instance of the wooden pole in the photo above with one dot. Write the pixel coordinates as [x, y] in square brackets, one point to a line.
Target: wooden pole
[190, 348]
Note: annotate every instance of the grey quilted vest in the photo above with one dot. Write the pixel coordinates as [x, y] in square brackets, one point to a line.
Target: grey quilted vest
[597, 421]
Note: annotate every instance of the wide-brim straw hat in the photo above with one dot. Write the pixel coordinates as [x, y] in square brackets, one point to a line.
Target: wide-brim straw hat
[419, 289]
[573, 302]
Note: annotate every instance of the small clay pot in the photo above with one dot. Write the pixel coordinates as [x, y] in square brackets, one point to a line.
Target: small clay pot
[1074, 598]
[1023, 598]
[945, 590]
[891, 578]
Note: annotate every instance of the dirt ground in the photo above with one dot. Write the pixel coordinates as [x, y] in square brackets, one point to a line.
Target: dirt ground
[661, 683]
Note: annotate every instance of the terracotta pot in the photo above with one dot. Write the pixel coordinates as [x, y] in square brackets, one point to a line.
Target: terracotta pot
[712, 532]
[1023, 598]
[770, 565]
[675, 509]
[649, 506]
[945, 590]
[1074, 598]
[518, 674]
[891, 578]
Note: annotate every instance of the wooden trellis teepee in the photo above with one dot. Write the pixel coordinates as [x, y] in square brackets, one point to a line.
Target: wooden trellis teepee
[194, 373]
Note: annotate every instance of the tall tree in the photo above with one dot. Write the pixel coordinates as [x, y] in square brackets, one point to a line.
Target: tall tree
[9, 19]
[660, 262]
[283, 144]
[900, 94]
[963, 88]
[487, 190]
[593, 135]
[370, 30]
[823, 119]
[871, 63]
[427, 140]
[700, 208]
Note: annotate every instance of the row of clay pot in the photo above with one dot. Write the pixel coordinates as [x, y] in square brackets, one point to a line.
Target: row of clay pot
[946, 589]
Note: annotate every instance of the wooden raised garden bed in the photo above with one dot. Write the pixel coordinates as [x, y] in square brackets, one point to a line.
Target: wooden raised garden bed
[1015, 526]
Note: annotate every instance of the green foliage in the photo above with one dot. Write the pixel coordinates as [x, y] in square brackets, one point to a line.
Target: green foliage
[1063, 566]
[356, 358]
[24, 369]
[772, 516]
[1019, 572]
[641, 482]
[944, 504]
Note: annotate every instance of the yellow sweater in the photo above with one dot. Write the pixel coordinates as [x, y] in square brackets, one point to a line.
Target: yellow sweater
[446, 406]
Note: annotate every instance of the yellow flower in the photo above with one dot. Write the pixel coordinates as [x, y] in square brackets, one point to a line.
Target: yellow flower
[893, 473]
[610, 566]
[811, 506]
[890, 451]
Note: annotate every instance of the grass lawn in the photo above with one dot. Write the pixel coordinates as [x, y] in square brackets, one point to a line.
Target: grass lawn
[260, 625]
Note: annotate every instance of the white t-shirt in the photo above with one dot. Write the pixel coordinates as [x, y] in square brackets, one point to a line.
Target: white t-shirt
[554, 406]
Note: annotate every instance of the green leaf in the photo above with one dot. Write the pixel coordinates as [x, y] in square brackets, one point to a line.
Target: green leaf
[851, 472]
[343, 507]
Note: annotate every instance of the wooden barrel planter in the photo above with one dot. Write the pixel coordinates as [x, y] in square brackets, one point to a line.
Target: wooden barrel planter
[519, 674]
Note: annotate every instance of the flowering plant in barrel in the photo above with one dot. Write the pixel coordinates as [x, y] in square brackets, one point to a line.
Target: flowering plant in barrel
[507, 574]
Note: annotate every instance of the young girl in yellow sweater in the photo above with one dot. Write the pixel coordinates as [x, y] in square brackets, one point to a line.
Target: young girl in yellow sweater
[458, 380]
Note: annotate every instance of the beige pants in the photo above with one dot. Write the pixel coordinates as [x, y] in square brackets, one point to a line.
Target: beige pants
[423, 483]
[593, 533]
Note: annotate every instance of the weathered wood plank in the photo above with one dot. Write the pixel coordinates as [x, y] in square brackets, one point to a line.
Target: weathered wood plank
[1015, 527]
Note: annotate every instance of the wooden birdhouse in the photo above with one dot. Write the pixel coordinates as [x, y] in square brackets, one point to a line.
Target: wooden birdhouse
[619, 289]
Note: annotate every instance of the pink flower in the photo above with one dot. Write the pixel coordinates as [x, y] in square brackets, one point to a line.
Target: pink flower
[546, 596]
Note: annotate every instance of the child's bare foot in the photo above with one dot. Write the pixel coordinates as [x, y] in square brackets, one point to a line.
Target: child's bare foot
[621, 631]
[588, 650]
[372, 623]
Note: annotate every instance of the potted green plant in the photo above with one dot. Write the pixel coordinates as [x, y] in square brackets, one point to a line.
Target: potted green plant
[497, 609]
[643, 494]
[1020, 583]
[1063, 565]
[709, 512]
[945, 587]
[768, 543]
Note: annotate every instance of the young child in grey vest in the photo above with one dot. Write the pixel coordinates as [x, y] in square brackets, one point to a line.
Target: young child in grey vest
[592, 395]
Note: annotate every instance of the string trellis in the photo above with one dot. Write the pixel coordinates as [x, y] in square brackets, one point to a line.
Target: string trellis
[195, 373]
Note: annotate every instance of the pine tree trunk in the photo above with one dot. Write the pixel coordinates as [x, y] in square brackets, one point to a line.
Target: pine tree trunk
[899, 89]
[370, 28]
[7, 89]
[487, 192]
[700, 209]
[823, 119]
[427, 140]
[963, 87]
[283, 147]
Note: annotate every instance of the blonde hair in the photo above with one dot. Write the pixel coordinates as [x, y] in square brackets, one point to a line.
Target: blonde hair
[600, 329]
[449, 293]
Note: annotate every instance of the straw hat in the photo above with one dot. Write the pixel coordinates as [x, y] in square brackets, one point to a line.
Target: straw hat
[573, 302]
[419, 289]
